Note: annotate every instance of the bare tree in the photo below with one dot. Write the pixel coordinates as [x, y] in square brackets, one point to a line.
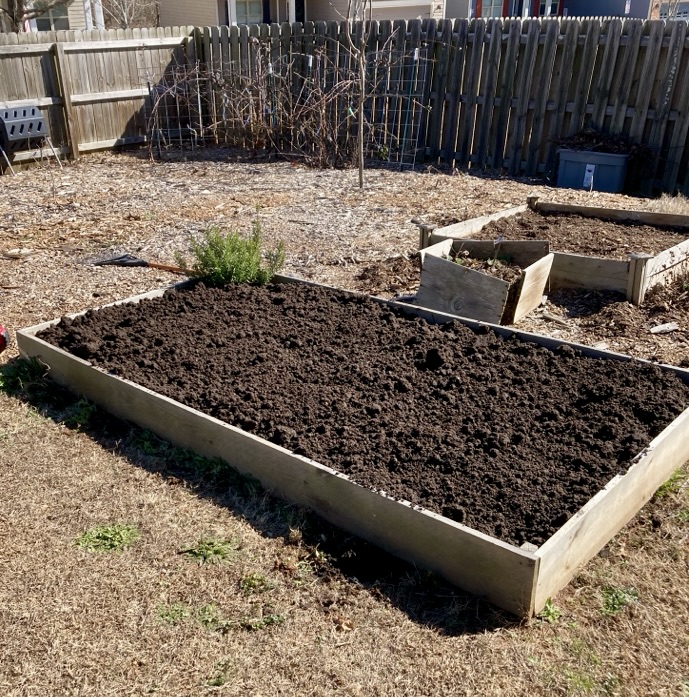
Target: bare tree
[124, 14]
[359, 10]
[19, 11]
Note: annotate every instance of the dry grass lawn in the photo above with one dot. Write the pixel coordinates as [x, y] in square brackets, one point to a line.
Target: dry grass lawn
[226, 590]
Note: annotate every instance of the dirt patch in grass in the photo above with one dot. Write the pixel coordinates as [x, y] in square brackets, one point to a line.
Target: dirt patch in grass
[438, 416]
[588, 236]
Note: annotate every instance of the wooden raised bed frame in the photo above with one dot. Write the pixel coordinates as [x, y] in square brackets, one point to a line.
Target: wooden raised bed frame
[450, 287]
[517, 579]
[633, 277]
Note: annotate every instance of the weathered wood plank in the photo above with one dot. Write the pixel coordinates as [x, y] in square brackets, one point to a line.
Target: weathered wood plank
[520, 252]
[470, 84]
[506, 82]
[470, 227]
[667, 265]
[534, 279]
[455, 289]
[489, 81]
[621, 214]
[460, 39]
[518, 120]
[541, 88]
[577, 271]
[64, 77]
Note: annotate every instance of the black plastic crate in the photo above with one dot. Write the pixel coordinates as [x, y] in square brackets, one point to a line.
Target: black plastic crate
[21, 128]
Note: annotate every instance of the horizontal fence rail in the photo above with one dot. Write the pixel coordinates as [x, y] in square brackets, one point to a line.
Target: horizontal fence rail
[485, 94]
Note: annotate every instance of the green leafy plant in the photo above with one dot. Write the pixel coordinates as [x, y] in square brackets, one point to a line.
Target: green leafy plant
[223, 671]
[108, 538]
[550, 613]
[672, 485]
[20, 373]
[211, 551]
[256, 623]
[209, 616]
[615, 599]
[221, 258]
[256, 583]
[173, 614]
[79, 414]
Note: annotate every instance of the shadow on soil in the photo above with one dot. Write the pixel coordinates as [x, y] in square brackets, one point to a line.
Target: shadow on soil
[334, 554]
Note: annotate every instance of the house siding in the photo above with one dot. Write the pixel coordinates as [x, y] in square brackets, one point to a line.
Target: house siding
[177, 13]
[76, 16]
[326, 10]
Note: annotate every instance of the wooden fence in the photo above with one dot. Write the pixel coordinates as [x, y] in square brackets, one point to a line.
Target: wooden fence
[494, 93]
[91, 85]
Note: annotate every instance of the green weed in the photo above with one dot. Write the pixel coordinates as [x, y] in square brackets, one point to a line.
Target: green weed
[257, 623]
[147, 442]
[232, 258]
[615, 599]
[209, 616]
[173, 614]
[21, 373]
[210, 551]
[672, 485]
[550, 613]
[256, 583]
[108, 538]
[79, 414]
[223, 671]
[580, 682]
[683, 515]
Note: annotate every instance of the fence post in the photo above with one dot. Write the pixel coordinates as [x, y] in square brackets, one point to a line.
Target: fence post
[64, 80]
[637, 281]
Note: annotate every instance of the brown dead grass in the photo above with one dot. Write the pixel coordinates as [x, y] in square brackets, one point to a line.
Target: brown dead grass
[354, 621]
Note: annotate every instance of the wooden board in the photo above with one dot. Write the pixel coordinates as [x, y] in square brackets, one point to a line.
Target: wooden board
[621, 215]
[592, 527]
[578, 271]
[451, 287]
[469, 227]
[457, 290]
[666, 266]
[520, 252]
[518, 580]
[534, 279]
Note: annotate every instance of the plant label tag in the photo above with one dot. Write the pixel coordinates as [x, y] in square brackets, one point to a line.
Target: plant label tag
[588, 176]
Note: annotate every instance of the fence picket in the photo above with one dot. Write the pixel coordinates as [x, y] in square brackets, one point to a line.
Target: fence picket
[541, 90]
[489, 79]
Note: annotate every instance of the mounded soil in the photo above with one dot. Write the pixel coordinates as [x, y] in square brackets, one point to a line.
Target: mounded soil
[577, 234]
[501, 435]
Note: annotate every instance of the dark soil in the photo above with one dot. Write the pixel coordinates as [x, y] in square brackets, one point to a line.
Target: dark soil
[504, 436]
[590, 236]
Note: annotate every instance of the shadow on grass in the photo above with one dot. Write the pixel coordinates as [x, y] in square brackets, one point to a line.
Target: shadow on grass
[424, 597]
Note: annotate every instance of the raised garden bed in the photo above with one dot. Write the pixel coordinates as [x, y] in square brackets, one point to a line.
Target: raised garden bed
[501, 460]
[449, 285]
[623, 260]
